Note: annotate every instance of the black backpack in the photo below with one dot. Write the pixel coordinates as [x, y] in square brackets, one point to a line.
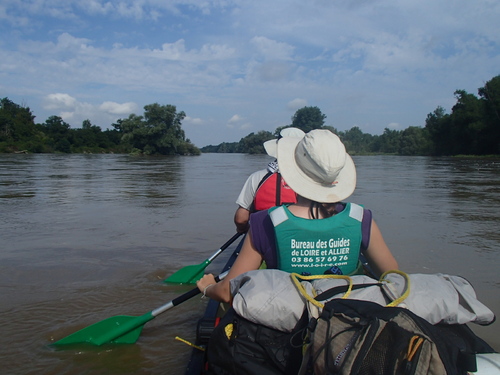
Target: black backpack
[240, 347]
[362, 337]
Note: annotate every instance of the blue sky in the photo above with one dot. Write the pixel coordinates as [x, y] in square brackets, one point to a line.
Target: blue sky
[236, 66]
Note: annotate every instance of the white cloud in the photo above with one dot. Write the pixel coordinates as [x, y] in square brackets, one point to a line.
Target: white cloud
[272, 71]
[235, 122]
[177, 52]
[235, 119]
[96, 58]
[296, 103]
[117, 108]
[134, 10]
[70, 109]
[67, 116]
[67, 41]
[173, 51]
[59, 101]
[192, 121]
[271, 49]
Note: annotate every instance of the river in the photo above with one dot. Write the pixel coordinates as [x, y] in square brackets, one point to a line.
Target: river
[87, 237]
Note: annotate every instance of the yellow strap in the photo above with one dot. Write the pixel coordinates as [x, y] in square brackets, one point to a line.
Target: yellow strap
[413, 347]
[295, 277]
[228, 330]
[190, 344]
[406, 290]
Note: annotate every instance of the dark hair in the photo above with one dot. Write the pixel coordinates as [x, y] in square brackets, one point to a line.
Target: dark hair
[318, 210]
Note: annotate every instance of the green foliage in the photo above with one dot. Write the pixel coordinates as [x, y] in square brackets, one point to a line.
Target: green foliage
[253, 143]
[355, 141]
[472, 128]
[57, 132]
[490, 135]
[157, 132]
[308, 118]
[16, 125]
[389, 141]
[437, 125]
[414, 141]
[224, 147]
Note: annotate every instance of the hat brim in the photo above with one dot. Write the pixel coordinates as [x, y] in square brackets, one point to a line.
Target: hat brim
[292, 132]
[304, 185]
[271, 147]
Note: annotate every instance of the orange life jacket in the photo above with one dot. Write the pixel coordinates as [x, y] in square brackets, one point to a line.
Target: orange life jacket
[273, 191]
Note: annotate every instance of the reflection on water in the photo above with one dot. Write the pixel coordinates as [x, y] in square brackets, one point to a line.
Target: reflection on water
[87, 237]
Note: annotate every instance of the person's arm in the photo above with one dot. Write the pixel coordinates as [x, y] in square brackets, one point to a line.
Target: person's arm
[241, 217]
[378, 254]
[245, 200]
[249, 259]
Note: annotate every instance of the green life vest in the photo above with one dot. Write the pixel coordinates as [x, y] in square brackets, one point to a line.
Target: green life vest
[315, 246]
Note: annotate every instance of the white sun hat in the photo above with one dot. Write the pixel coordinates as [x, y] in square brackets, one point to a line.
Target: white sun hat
[271, 146]
[317, 166]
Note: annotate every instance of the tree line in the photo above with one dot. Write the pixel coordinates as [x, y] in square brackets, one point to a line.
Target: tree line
[158, 131]
[472, 128]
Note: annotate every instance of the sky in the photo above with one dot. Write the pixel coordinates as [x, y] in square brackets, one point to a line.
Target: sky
[239, 66]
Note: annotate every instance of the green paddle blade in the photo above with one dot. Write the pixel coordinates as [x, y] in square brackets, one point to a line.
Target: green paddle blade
[120, 329]
[188, 274]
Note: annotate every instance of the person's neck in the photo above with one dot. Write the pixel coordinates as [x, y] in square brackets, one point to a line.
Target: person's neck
[301, 208]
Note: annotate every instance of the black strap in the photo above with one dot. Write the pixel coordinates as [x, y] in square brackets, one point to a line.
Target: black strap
[329, 293]
[278, 189]
[268, 174]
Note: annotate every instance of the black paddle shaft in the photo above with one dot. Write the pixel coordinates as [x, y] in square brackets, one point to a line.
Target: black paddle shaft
[193, 292]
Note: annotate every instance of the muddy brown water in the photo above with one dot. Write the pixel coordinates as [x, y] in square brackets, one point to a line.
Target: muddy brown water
[87, 237]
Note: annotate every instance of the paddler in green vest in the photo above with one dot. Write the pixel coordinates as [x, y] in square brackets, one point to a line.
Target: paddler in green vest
[311, 247]
[320, 233]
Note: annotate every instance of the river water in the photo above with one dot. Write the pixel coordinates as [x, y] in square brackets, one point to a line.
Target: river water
[87, 237]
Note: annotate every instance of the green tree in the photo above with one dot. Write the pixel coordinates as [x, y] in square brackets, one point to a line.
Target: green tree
[308, 118]
[414, 141]
[473, 127]
[91, 138]
[157, 132]
[490, 136]
[17, 126]
[356, 141]
[388, 142]
[437, 124]
[224, 147]
[86, 124]
[58, 132]
[253, 143]
[466, 124]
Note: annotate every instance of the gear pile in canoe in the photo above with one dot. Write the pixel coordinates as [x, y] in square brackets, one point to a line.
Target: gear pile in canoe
[285, 349]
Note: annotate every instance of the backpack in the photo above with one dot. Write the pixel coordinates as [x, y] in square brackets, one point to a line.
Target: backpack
[240, 347]
[363, 337]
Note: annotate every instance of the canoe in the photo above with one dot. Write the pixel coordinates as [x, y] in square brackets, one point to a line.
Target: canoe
[487, 363]
[213, 311]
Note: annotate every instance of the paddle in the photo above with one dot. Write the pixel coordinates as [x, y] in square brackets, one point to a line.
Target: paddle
[123, 329]
[189, 274]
